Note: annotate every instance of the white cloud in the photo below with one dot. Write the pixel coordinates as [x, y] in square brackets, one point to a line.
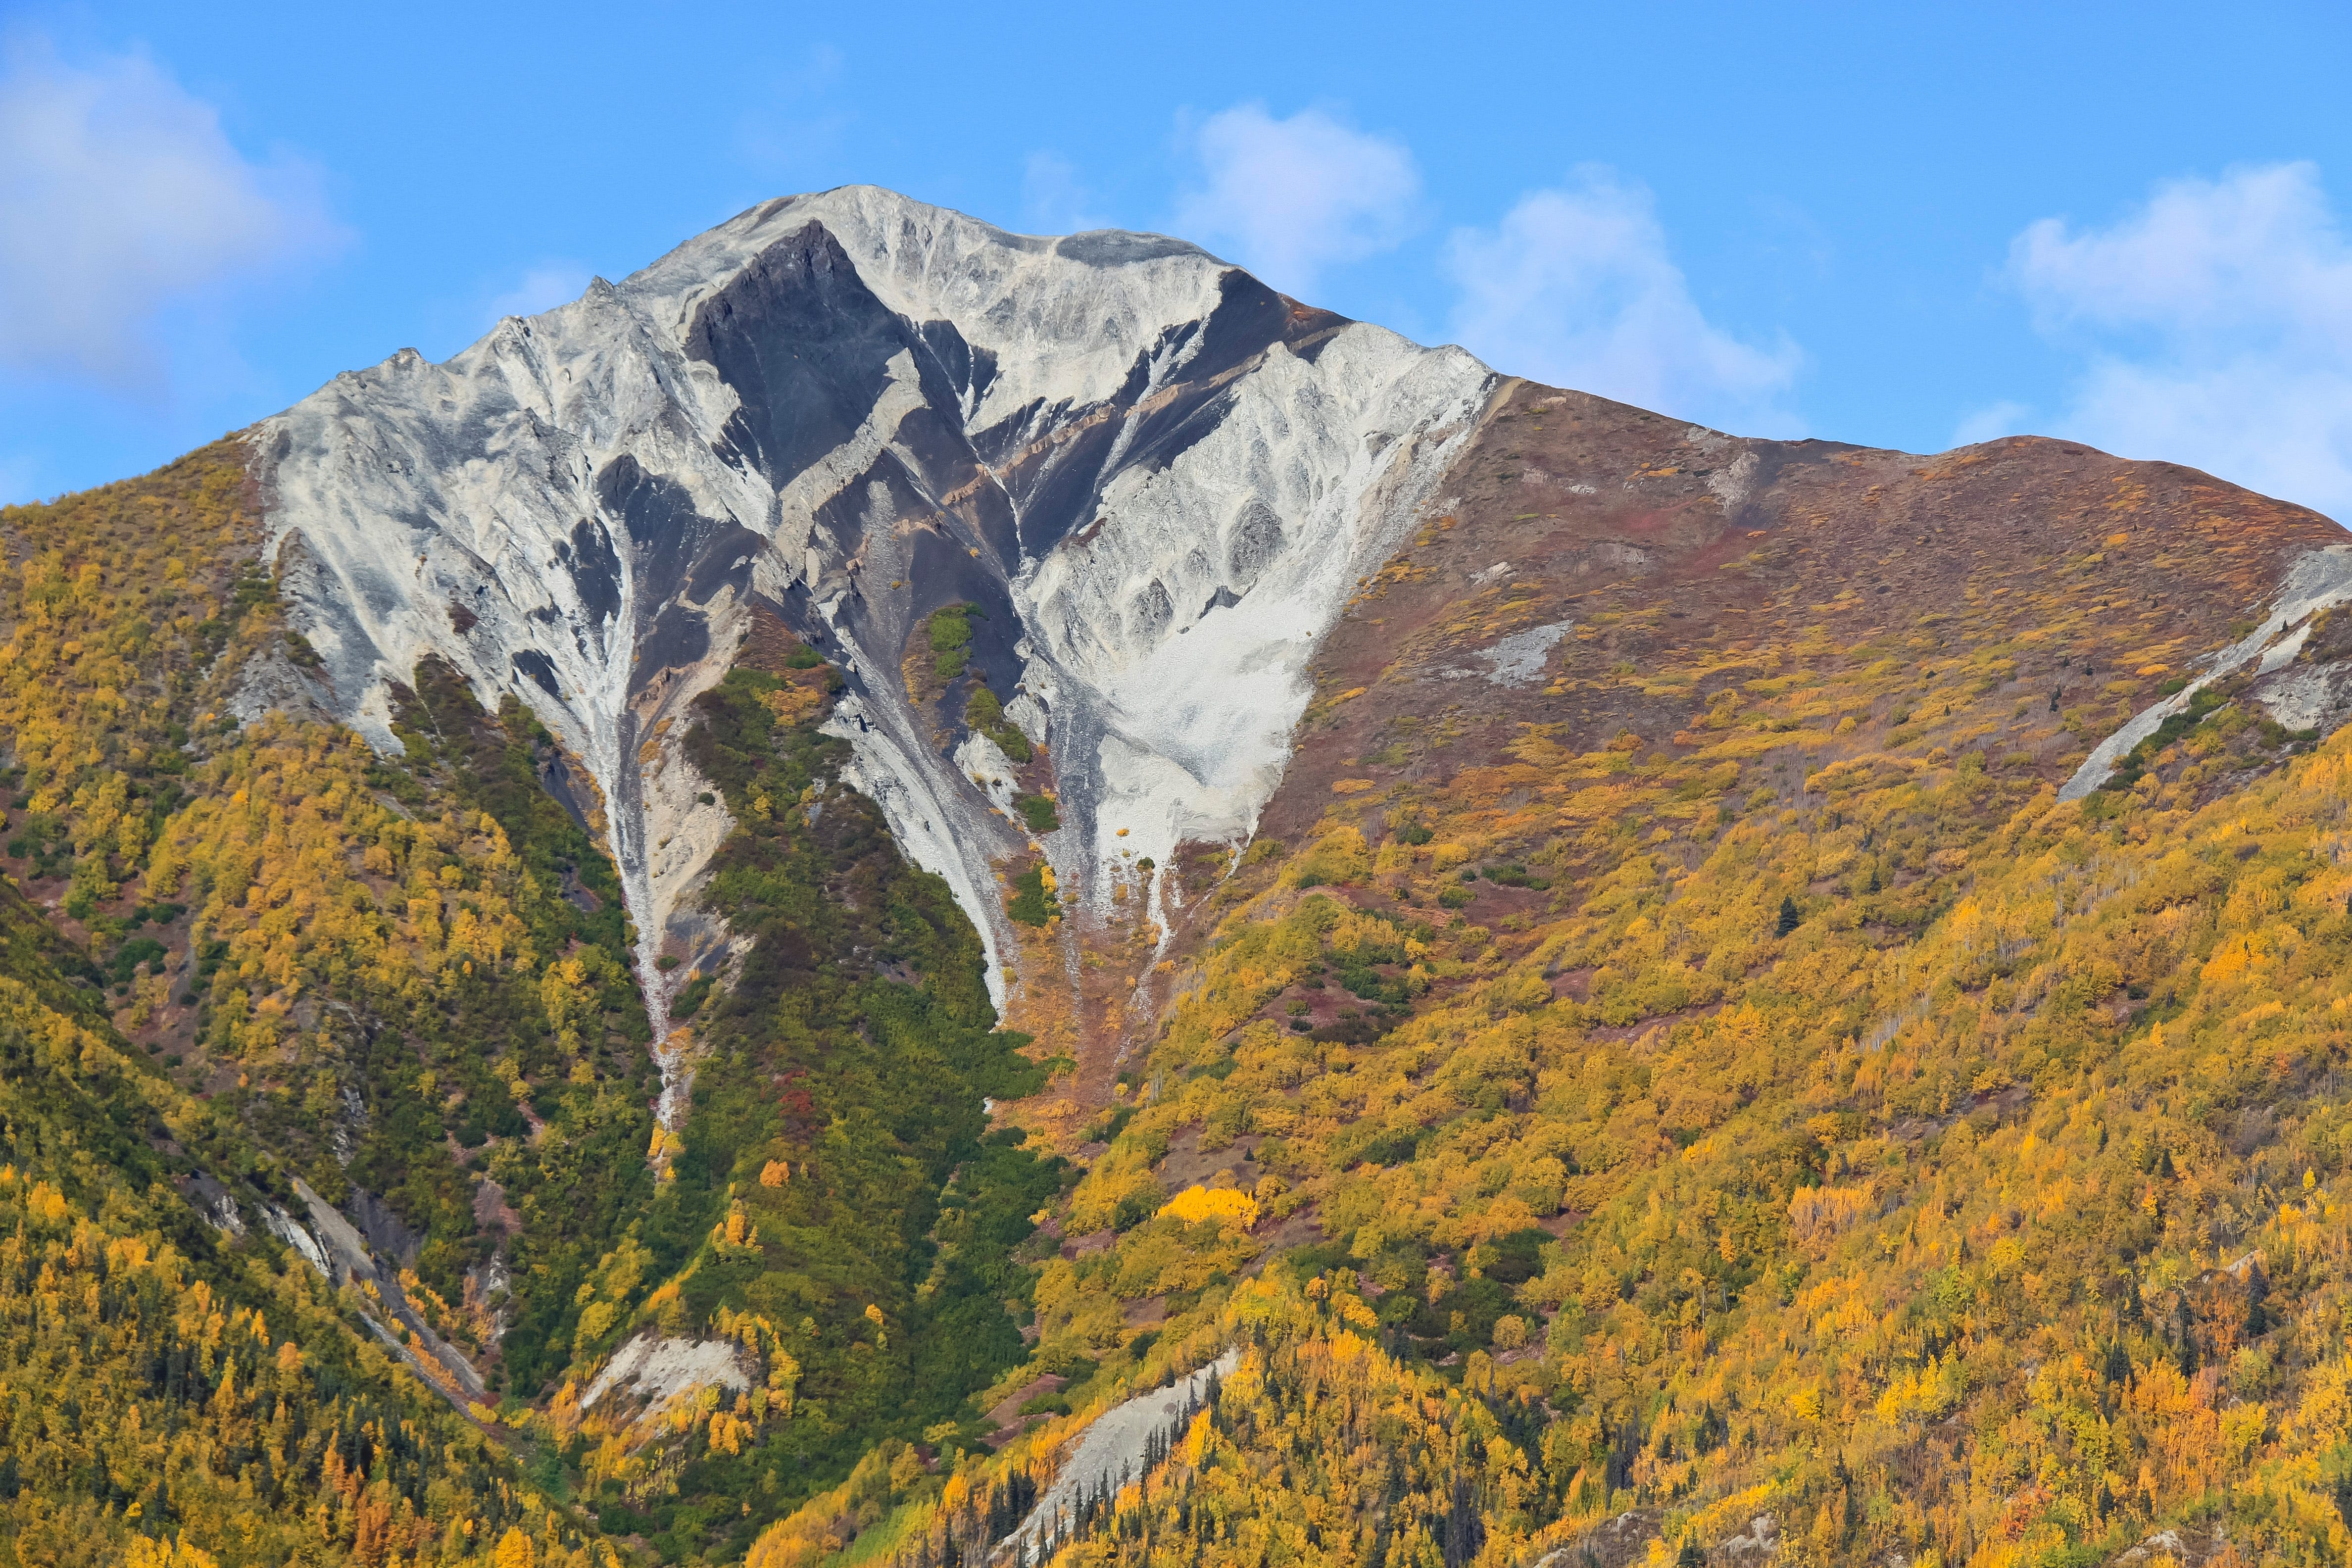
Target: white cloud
[1287, 198]
[541, 288]
[2216, 328]
[119, 196]
[1575, 287]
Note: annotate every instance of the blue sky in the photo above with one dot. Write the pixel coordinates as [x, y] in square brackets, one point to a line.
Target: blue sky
[1882, 225]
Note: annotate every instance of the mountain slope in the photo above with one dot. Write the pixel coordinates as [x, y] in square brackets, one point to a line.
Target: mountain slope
[1636, 992]
[857, 410]
[172, 1396]
[390, 991]
[1687, 983]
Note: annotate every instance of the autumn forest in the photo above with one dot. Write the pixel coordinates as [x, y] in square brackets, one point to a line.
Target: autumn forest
[1716, 1100]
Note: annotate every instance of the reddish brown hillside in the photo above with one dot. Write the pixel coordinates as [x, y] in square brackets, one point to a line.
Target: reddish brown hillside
[1693, 564]
[1733, 616]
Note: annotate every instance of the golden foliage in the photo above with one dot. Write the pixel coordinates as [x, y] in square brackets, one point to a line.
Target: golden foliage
[1223, 1205]
[211, 1435]
[124, 602]
[793, 704]
[2024, 1123]
[292, 861]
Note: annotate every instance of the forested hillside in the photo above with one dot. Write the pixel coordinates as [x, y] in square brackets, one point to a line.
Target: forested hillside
[170, 1395]
[1722, 1061]
[1692, 1065]
[2021, 1232]
[276, 964]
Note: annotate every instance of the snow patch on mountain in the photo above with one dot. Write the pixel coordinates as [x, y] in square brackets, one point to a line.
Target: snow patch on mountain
[1181, 633]
[1111, 1448]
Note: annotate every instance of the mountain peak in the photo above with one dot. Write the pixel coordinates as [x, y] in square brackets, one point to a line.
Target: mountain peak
[851, 411]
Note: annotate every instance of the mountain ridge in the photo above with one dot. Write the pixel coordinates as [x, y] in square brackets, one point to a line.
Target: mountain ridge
[1134, 337]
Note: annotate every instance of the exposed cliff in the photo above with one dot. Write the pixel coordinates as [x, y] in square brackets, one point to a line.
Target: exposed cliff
[1155, 479]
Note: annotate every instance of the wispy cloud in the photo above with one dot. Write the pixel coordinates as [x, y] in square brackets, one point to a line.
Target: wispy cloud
[1291, 198]
[2214, 324]
[1577, 287]
[123, 197]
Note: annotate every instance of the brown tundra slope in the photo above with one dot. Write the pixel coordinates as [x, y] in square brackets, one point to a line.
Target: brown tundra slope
[1682, 567]
[1604, 579]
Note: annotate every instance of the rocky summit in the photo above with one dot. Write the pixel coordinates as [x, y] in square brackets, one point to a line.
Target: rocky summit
[899, 894]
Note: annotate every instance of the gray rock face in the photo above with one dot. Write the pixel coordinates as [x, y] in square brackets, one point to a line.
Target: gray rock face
[1158, 479]
[2298, 697]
